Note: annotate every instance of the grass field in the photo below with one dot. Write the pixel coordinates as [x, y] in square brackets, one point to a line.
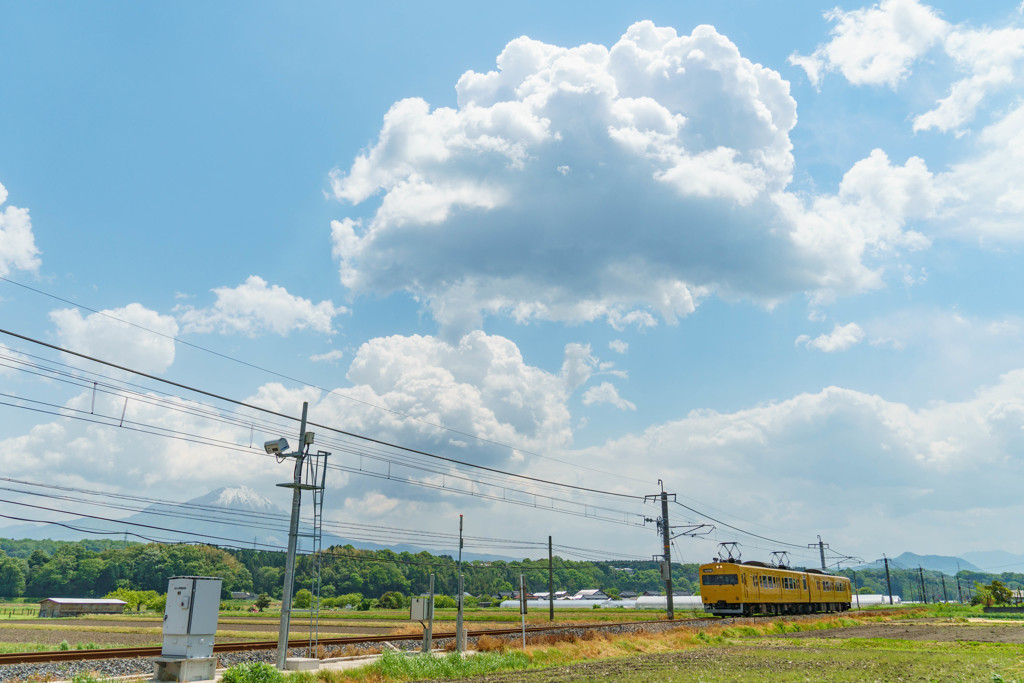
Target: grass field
[934, 643]
[906, 645]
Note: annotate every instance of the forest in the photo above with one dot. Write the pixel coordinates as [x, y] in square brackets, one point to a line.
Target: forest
[94, 568]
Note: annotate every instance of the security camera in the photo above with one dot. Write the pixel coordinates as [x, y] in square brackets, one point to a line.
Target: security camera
[276, 446]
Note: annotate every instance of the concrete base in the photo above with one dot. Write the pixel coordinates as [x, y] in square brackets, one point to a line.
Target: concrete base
[301, 664]
[180, 669]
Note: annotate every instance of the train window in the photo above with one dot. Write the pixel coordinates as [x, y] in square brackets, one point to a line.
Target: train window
[720, 579]
[805, 584]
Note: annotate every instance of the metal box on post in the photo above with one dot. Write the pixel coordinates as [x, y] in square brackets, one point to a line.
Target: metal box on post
[190, 623]
[190, 617]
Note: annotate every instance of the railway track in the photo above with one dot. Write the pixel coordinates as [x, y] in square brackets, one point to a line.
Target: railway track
[132, 652]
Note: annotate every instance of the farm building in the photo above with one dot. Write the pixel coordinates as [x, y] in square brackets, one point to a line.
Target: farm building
[73, 607]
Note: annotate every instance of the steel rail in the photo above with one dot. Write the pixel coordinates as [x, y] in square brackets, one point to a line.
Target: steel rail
[155, 651]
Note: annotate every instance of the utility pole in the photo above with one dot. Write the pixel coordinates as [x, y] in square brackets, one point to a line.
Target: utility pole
[669, 607]
[959, 594]
[945, 598]
[888, 581]
[293, 536]
[666, 541]
[551, 585]
[920, 573]
[460, 634]
[821, 549]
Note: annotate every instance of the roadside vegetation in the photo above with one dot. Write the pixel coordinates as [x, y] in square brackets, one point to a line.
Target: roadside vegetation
[756, 651]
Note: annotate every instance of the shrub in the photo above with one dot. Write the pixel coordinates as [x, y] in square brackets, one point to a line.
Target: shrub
[64, 645]
[444, 601]
[303, 599]
[252, 672]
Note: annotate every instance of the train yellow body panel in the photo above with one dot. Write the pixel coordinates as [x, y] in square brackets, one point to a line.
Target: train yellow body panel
[747, 588]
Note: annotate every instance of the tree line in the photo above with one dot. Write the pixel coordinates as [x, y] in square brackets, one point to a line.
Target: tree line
[95, 568]
[98, 567]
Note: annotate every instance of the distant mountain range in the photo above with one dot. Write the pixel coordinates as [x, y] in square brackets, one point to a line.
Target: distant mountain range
[995, 561]
[230, 517]
[241, 517]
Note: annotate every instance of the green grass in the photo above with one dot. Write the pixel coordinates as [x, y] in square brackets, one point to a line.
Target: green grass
[8, 648]
[396, 666]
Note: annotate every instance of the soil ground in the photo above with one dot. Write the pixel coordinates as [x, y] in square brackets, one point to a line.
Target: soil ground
[940, 650]
[939, 630]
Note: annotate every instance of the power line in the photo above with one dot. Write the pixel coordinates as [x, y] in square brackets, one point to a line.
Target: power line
[313, 424]
[311, 384]
[474, 491]
[736, 528]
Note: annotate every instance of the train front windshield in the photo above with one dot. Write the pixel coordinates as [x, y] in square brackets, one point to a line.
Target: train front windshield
[720, 579]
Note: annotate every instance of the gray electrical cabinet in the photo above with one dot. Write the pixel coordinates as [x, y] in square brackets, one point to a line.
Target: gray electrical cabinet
[190, 617]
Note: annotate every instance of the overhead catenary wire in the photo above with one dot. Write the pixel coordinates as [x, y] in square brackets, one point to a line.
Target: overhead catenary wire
[245, 421]
[376, 442]
[130, 425]
[252, 519]
[313, 424]
[311, 384]
[269, 547]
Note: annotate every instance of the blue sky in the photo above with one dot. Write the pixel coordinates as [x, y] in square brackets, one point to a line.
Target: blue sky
[769, 256]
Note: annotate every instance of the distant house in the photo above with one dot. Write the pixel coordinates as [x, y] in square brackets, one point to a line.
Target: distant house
[590, 594]
[243, 595]
[627, 595]
[74, 607]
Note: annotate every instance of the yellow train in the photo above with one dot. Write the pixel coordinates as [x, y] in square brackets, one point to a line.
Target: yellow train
[731, 588]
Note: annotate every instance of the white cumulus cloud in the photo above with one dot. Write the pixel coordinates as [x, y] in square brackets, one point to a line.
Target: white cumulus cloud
[575, 184]
[876, 45]
[480, 385]
[880, 44]
[17, 243]
[254, 307]
[840, 338]
[855, 458]
[606, 393]
[132, 336]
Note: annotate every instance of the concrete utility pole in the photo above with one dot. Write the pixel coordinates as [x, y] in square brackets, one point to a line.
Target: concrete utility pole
[666, 538]
[293, 536]
[428, 632]
[666, 541]
[959, 594]
[945, 598]
[888, 581]
[460, 634]
[821, 549]
[920, 573]
[551, 585]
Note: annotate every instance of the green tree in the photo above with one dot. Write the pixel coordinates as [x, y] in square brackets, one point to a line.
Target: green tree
[262, 602]
[1001, 595]
[12, 577]
[303, 599]
[392, 600]
[982, 596]
[157, 604]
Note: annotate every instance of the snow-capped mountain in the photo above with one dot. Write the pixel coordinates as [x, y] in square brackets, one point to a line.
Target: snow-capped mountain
[228, 516]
